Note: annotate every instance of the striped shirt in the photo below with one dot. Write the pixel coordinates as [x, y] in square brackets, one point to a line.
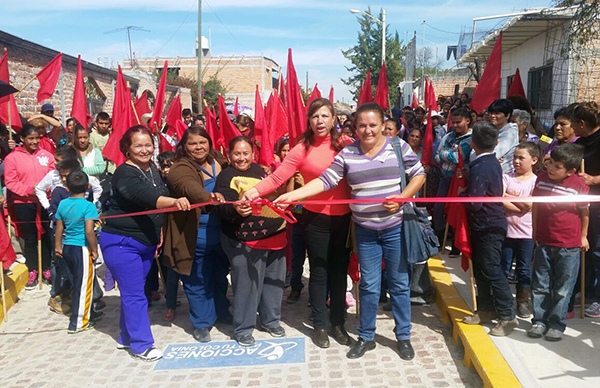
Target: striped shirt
[376, 177]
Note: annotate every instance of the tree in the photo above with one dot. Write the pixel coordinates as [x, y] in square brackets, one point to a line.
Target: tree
[366, 54]
[212, 88]
[583, 31]
[431, 64]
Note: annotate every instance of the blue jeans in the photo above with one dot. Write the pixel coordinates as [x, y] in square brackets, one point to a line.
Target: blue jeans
[298, 256]
[593, 255]
[554, 275]
[439, 222]
[523, 249]
[372, 245]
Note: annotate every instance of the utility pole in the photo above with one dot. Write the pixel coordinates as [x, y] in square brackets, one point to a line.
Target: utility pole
[384, 37]
[423, 64]
[199, 57]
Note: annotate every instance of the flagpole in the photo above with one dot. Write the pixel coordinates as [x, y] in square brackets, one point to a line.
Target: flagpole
[26, 85]
[582, 266]
[3, 293]
[39, 249]
[200, 56]
[62, 98]
[445, 238]
[473, 295]
[135, 112]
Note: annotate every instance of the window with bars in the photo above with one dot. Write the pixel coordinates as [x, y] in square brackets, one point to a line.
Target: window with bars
[540, 87]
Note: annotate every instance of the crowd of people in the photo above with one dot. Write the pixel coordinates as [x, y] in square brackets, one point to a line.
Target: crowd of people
[56, 183]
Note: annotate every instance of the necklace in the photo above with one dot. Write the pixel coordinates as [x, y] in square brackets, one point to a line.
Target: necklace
[151, 179]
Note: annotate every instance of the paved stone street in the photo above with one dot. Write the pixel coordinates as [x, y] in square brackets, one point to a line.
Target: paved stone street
[36, 351]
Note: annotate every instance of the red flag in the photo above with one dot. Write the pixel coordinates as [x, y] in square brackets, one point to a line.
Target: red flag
[316, 93]
[79, 109]
[141, 105]
[228, 130]
[211, 126]
[488, 89]
[456, 216]
[426, 94]
[176, 124]
[281, 90]
[366, 92]
[122, 119]
[331, 94]
[432, 103]
[236, 109]
[48, 77]
[163, 143]
[265, 157]
[382, 92]
[516, 87]
[8, 101]
[278, 120]
[415, 101]
[294, 103]
[7, 253]
[427, 152]
[156, 120]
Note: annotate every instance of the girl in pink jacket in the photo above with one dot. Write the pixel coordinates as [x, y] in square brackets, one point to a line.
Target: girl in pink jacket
[23, 169]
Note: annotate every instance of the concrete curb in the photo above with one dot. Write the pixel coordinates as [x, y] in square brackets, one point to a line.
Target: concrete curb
[480, 351]
[14, 284]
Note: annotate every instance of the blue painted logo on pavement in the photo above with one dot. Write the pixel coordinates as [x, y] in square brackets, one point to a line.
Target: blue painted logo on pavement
[229, 353]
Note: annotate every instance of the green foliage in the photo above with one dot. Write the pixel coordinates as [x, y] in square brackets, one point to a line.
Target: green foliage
[212, 88]
[366, 54]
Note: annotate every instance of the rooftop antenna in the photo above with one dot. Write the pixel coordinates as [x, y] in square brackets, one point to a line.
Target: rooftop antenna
[128, 29]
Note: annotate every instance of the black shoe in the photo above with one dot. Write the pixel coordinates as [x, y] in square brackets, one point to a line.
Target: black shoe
[245, 340]
[340, 335]
[294, 296]
[95, 316]
[321, 339]
[276, 331]
[360, 348]
[226, 319]
[406, 350]
[99, 305]
[454, 252]
[202, 335]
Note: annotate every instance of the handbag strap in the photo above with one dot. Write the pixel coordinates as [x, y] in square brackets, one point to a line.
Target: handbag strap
[397, 146]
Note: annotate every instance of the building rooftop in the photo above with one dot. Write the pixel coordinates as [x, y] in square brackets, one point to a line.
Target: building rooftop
[517, 31]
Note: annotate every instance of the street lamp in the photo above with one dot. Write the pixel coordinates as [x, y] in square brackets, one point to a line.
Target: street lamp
[382, 22]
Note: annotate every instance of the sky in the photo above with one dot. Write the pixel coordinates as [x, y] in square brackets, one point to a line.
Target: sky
[316, 30]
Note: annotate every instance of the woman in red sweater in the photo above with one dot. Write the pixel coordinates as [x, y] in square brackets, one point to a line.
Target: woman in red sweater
[24, 168]
[325, 226]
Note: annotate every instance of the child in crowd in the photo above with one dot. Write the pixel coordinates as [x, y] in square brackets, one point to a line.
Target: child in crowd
[519, 240]
[79, 250]
[488, 230]
[456, 142]
[560, 232]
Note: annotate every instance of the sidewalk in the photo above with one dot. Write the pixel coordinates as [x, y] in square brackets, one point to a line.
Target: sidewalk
[36, 351]
[572, 362]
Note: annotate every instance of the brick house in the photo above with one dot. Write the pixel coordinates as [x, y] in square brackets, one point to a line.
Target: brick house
[238, 74]
[26, 59]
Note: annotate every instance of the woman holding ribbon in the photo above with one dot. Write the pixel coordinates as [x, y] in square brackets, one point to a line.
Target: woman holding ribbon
[192, 241]
[372, 170]
[325, 225]
[254, 239]
[129, 243]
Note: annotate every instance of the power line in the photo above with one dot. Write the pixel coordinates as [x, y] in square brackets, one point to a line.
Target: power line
[177, 30]
[230, 33]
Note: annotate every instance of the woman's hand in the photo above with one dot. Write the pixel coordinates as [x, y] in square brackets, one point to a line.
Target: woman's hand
[250, 195]
[392, 207]
[281, 201]
[182, 204]
[11, 144]
[217, 197]
[588, 179]
[298, 179]
[243, 209]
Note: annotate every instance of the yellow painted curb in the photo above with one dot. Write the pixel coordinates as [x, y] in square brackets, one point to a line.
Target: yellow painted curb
[14, 284]
[480, 351]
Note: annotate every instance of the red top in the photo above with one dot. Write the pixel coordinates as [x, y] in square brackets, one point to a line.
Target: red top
[23, 171]
[559, 224]
[310, 164]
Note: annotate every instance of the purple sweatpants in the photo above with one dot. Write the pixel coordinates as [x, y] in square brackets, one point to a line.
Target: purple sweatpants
[129, 262]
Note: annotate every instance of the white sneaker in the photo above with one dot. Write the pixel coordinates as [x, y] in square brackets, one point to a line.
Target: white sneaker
[151, 354]
[20, 259]
[593, 311]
